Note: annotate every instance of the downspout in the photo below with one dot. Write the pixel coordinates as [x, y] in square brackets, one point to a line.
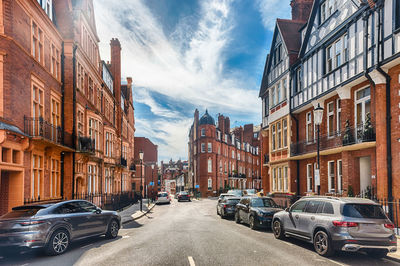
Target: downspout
[366, 74]
[388, 113]
[297, 136]
[73, 116]
[62, 120]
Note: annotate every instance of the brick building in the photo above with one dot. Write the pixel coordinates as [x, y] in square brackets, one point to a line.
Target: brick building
[66, 125]
[222, 158]
[146, 176]
[174, 170]
[347, 62]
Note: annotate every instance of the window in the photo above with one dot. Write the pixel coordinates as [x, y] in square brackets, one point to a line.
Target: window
[37, 43]
[203, 147]
[274, 179]
[278, 54]
[91, 91]
[273, 96]
[338, 116]
[55, 119]
[339, 176]
[298, 206]
[209, 147]
[266, 105]
[309, 127]
[279, 92]
[284, 90]
[94, 132]
[299, 80]
[37, 109]
[309, 178]
[55, 178]
[330, 119]
[312, 206]
[278, 125]
[327, 8]
[238, 156]
[279, 170]
[362, 109]
[203, 132]
[285, 178]
[285, 133]
[37, 177]
[397, 14]
[233, 154]
[337, 53]
[331, 176]
[80, 123]
[92, 179]
[273, 137]
[55, 62]
[209, 184]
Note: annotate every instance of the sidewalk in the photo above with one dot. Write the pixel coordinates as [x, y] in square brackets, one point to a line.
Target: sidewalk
[133, 212]
[395, 256]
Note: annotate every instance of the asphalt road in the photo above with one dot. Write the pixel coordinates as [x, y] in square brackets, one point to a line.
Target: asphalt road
[190, 233]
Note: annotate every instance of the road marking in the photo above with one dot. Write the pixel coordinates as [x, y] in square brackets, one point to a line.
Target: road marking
[125, 236]
[287, 243]
[191, 261]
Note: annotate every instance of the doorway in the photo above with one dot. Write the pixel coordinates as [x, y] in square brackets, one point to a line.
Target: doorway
[365, 174]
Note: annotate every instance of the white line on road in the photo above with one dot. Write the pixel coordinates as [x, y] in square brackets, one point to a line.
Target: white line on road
[125, 236]
[191, 261]
[287, 243]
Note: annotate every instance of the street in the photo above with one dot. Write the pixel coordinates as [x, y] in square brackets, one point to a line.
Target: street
[190, 233]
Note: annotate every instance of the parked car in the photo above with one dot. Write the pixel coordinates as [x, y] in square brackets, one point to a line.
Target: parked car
[250, 192]
[54, 226]
[330, 223]
[236, 192]
[256, 211]
[223, 195]
[163, 197]
[183, 195]
[227, 206]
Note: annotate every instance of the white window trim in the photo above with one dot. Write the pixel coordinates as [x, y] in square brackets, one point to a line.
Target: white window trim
[309, 122]
[338, 111]
[339, 175]
[331, 185]
[309, 177]
[331, 132]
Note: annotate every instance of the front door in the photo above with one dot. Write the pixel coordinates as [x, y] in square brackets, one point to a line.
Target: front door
[365, 174]
[362, 108]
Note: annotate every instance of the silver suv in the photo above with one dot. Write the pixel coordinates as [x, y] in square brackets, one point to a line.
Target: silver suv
[330, 223]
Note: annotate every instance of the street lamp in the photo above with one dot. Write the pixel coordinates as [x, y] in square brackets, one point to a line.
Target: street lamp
[152, 177]
[318, 113]
[141, 179]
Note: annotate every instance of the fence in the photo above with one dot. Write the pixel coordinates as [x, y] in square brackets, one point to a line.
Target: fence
[110, 201]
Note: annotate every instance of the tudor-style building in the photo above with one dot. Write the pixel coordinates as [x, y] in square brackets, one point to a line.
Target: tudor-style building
[279, 172]
[221, 157]
[349, 65]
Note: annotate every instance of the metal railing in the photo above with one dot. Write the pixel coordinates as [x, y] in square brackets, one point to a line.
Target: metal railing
[124, 162]
[335, 139]
[110, 201]
[86, 144]
[39, 200]
[38, 127]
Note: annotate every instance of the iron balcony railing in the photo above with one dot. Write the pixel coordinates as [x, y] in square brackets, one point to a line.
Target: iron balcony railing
[349, 136]
[124, 162]
[86, 144]
[39, 127]
[266, 158]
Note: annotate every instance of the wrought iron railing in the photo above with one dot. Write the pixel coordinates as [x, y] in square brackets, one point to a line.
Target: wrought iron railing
[124, 162]
[39, 127]
[86, 144]
[349, 136]
[110, 201]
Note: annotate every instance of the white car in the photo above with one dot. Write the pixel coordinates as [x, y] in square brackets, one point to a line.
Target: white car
[163, 197]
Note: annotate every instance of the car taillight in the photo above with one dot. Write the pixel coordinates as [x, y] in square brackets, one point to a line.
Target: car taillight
[227, 205]
[32, 223]
[390, 226]
[344, 224]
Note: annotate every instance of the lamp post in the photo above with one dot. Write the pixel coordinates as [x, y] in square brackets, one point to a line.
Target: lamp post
[152, 177]
[141, 179]
[318, 113]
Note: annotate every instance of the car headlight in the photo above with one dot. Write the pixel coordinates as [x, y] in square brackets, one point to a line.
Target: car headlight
[260, 213]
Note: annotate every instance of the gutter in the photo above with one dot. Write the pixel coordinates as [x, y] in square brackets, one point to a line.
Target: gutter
[73, 116]
[62, 119]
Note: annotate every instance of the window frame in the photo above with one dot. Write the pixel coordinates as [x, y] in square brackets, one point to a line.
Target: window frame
[330, 115]
[331, 176]
[309, 177]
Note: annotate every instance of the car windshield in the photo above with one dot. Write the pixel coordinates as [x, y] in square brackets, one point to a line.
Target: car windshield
[22, 213]
[260, 202]
[363, 211]
[183, 193]
[233, 201]
[237, 193]
[163, 195]
[251, 191]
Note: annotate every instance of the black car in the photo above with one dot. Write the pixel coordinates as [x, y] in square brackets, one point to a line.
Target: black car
[183, 195]
[54, 226]
[227, 206]
[256, 211]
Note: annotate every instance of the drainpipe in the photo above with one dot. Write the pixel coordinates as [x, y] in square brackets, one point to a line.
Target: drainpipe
[388, 112]
[73, 116]
[297, 137]
[62, 119]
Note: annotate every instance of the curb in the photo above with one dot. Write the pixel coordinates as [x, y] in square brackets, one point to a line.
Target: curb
[140, 216]
[388, 257]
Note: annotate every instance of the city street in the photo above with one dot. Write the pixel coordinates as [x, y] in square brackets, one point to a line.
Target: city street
[190, 233]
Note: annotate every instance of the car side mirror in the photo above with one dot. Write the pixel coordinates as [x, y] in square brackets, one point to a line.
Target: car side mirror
[287, 209]
[98, 210]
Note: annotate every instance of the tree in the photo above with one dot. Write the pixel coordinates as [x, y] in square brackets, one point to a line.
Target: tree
[348, 135]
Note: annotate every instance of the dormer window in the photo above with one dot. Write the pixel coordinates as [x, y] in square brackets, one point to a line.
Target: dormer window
[278, 54]
[327, 8]
[336, 54]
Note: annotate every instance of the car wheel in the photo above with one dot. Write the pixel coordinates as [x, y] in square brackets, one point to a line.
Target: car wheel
[322, 244]
[252, 223]
[377, 253]
[237, 218]
[58, 242]
[113, 229]
[278, 230]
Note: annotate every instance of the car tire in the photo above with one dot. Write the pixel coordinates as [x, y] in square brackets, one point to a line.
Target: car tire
[252, 223]
[237, 218]
[113, 228]
[377, 253]
[278, 230]
[58, 242]
[323, 244]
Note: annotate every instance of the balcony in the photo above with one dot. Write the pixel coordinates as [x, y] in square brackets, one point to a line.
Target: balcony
[350, 136]
[86, 145]
[266, 158]
[37, 127]
[132, 167]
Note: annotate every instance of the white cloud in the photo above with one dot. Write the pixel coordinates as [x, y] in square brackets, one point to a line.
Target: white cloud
[188, 66]
[271, 10]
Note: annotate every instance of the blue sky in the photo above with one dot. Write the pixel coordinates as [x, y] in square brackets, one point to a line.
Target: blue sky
[188, 54]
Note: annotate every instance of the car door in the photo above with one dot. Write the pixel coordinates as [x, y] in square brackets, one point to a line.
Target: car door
[239, 208]
[70, 213]
[292, 221]
[245, 211]
[96, 222]
[308, 219]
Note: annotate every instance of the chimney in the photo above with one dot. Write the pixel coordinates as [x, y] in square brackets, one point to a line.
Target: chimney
[227, 125]
[301, 9]
[129, 89]
[221, 123]
[116, 72]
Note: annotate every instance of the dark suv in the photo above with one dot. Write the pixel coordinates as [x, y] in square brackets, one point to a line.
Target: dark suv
[256, 211]
[330, 223]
